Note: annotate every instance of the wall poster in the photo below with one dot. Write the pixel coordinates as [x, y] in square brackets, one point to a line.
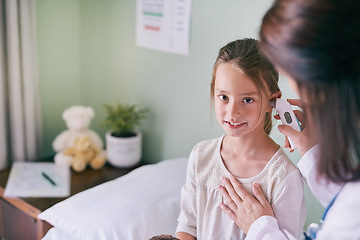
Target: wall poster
[164, 25]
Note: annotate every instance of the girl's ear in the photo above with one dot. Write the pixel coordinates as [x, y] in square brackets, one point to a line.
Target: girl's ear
[276, 95]
[272, 97]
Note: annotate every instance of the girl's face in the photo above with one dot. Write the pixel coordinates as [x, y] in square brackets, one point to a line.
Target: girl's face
[239, 106]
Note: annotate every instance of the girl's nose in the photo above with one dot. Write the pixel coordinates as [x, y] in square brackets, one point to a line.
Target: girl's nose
[233, 109]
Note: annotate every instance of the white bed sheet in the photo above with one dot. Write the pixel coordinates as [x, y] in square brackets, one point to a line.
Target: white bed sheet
[139, 205]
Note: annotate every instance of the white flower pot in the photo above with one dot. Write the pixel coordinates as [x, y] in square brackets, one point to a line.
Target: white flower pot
[123, 152]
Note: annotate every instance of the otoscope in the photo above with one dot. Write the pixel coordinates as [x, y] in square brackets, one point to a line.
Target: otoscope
[287, 116]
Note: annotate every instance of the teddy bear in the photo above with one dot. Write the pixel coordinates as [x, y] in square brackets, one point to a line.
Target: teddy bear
[84, 152]
[77, 119]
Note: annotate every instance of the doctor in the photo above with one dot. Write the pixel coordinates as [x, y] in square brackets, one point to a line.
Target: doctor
[316, 44]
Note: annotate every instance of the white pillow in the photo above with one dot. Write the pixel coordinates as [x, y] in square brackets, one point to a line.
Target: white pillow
[139, 205]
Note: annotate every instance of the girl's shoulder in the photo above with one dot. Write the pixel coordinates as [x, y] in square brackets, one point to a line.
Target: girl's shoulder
[208, 144]
[280, 167]
[206, 148]
[281, 164]
[279, 173]
[206, 160]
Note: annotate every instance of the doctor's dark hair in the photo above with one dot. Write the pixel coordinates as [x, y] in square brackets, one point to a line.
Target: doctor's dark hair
[317, 43]
[245, 55]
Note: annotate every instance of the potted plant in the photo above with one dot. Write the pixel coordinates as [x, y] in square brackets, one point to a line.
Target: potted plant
[123, 143]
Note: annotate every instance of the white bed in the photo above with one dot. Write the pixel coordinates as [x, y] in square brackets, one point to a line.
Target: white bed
[139, 205]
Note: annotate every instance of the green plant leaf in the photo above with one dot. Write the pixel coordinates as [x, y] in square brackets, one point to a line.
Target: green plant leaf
[123, 118]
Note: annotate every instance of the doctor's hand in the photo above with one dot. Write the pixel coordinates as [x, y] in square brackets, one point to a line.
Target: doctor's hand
[242, 207]
[305, 139]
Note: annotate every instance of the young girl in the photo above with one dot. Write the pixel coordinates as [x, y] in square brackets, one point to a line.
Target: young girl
[243, 83]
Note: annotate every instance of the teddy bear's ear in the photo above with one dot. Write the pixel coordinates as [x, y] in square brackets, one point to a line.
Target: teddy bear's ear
[70, 111]
[90, 112]
[66, 113]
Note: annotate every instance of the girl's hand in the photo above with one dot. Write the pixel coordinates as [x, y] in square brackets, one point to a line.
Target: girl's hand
[305, 139]
[242, 207]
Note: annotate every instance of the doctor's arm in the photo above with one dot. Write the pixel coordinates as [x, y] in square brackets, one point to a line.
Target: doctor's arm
[307, 143]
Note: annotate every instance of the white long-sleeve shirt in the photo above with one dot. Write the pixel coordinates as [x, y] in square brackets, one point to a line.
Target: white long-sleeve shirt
[201, 215]
[342, 220]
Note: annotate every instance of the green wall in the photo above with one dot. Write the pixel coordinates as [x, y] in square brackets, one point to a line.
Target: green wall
[88, 56]
[58, 26]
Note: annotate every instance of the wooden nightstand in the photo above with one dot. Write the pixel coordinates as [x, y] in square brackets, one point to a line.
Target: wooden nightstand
[19, 216]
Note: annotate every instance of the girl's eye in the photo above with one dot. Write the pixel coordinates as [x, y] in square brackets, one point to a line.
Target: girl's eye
[248, 100]
[223, 98]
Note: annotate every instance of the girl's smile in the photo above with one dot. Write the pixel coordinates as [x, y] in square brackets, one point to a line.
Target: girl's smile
[234, 125]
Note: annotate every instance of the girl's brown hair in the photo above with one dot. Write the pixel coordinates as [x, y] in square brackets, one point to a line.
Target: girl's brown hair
[316, 42]
[245, 55]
